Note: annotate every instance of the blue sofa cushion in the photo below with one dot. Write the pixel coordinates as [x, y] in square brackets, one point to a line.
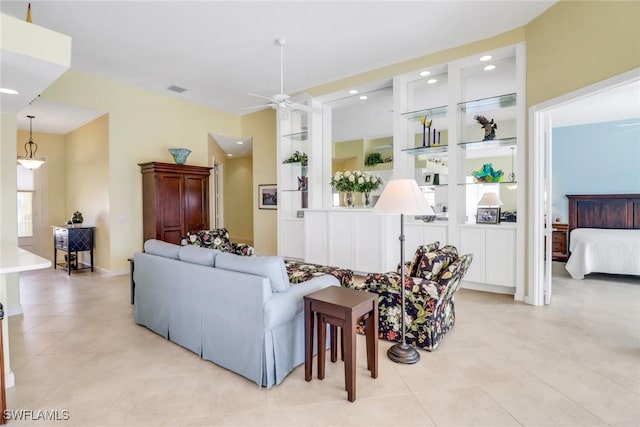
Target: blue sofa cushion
[160, 248]
[198, 255]
[271, 267]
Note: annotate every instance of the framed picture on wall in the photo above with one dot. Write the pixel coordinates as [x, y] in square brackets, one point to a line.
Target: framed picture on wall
[488, 216]
[267, 196]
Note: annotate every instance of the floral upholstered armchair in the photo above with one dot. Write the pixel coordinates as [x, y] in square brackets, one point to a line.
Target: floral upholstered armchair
[216, 239]
[431, 280]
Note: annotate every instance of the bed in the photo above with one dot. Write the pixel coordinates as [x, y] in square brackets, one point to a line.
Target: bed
[604, 234]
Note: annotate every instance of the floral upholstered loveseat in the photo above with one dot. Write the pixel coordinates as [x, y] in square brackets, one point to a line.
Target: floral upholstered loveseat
[431, 280]
[217, 238]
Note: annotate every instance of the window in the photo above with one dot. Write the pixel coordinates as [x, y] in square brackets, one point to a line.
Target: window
[25, 202]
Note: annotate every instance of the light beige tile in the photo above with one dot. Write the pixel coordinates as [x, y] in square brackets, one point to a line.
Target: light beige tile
[504, 363]
[33, 344]
[469, 406]
[534, 403]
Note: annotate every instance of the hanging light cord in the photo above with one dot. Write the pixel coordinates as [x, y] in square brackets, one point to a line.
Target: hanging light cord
[512, 175]
[28, 146]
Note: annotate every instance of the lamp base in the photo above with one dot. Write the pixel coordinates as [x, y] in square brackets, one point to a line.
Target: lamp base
[403, 353]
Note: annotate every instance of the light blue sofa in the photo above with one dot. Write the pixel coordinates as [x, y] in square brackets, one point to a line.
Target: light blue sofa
[242, 314]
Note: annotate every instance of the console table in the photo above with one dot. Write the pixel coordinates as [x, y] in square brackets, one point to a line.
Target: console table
[73, 240]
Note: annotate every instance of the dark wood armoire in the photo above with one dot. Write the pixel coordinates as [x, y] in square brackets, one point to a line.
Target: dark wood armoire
[175, 199]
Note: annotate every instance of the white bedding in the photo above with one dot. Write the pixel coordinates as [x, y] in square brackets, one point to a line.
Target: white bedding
[595, 250]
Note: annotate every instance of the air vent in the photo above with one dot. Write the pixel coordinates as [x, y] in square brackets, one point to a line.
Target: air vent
[176, 89]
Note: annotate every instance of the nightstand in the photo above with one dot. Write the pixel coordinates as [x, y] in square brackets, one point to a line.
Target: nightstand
[559, 240]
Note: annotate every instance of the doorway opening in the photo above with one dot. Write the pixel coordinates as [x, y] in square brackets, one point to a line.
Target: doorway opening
[541, 119]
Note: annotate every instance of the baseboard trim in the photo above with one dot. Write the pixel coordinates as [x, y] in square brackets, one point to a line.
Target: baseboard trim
[14, 311]
[496, 289]
[9, 380]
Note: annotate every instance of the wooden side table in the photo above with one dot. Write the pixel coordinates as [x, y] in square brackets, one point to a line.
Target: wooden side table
[341, 308]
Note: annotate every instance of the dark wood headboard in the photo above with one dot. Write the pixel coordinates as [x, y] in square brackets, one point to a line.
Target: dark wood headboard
[620, 211]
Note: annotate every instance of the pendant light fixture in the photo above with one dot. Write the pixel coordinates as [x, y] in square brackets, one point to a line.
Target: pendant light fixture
[29, 160]
[512, 176]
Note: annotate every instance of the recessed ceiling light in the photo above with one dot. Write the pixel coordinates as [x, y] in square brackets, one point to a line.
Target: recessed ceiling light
[432, 81]
[489, 67]
[229, 155]
[424, 73]
[353, 91]
[240, 142]
[8, 91]
[485, 58]
[363, 97]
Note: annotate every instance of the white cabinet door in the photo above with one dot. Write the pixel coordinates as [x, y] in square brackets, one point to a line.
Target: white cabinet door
[472, 241]
[293, 245]
[316, 238]
[500, 250]
[341, 239]
[368, 244]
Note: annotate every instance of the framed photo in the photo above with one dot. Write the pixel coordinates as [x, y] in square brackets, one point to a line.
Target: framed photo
[268, 196]
[488, 216]
[428, 179]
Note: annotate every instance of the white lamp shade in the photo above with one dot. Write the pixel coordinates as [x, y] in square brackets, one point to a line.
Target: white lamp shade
[490, 199]
[402, 196]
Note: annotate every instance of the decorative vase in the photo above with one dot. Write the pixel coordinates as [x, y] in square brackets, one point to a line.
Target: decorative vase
[366, 199]
[349, 200]
[180, 155]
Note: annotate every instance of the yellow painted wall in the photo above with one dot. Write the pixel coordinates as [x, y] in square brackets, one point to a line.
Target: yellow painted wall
[142, 126]
[53, 178]
[238, 199]
[575, 44]
[87, 183]
[261, 125]
[217, 157]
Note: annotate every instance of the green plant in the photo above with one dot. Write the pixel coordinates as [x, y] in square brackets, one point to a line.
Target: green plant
[373, 159]
[297, 157]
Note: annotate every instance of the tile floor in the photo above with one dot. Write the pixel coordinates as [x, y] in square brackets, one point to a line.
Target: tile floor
[573, 363]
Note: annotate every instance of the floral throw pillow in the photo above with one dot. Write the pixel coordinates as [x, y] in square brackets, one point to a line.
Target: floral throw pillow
[422, 249]
[216, 239]
[433, 263]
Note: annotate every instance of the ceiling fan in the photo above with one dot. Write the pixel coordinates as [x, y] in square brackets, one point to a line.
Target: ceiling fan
[280, 100]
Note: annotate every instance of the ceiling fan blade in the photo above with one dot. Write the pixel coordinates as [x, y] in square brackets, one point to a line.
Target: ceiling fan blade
[268, 98]
[304, 107]
[257, 107]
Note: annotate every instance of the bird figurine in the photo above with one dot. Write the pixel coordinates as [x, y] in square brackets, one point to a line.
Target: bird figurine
[488, 126]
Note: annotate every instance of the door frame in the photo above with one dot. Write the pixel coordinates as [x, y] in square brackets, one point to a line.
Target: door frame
[538, 146]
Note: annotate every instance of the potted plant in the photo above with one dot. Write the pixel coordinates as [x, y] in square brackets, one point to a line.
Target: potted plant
[373, 159]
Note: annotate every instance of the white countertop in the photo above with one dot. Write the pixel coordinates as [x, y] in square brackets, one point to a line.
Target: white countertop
[14, 259]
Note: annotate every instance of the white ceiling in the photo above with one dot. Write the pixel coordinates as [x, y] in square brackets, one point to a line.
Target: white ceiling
[222, 50]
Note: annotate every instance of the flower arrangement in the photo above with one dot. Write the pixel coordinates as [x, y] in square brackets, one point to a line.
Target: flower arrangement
[362, 182]
[298, 157]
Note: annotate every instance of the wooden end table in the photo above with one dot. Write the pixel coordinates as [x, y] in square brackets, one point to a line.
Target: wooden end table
[341, 308]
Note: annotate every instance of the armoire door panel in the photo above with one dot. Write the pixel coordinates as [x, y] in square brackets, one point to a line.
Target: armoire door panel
[196, 212]
[170, 192]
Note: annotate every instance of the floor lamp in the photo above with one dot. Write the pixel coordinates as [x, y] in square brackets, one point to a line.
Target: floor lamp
[404, 197]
